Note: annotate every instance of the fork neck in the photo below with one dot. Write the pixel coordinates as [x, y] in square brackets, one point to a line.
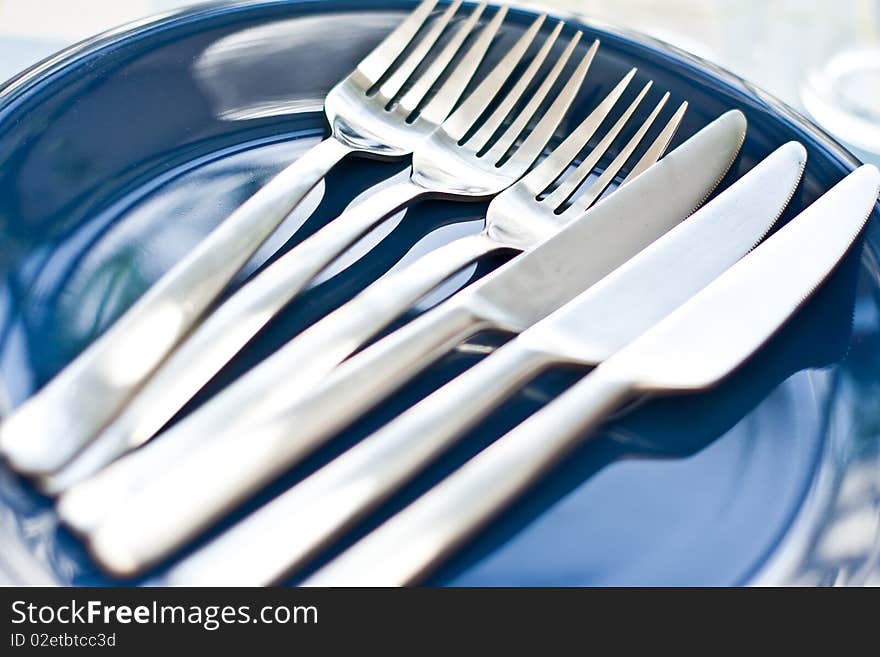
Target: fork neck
[397, 196]
[327, 154]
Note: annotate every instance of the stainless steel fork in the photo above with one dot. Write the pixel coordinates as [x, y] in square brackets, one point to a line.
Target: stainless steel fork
[463, 159]
[46, 431]
[253, 455]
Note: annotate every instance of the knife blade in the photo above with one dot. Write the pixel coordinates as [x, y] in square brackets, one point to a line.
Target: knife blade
[286, 532]
[551, 274]
[715, 332]
[694, 347]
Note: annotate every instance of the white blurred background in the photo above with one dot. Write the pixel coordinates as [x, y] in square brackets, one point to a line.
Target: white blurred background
[820, 56]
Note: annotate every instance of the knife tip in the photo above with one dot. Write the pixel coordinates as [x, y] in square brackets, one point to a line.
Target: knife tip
[736, 118]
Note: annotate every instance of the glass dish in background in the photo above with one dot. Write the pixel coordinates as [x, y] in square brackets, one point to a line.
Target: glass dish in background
[843, 93]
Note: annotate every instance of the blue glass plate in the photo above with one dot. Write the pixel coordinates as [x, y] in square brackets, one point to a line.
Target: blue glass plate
[119, 154]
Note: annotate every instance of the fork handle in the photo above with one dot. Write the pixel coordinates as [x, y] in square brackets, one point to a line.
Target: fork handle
[48, 429]
[300, 365]
[286, 532]
[312, 354]
[224, 333]
[104, 503]
[411, 544]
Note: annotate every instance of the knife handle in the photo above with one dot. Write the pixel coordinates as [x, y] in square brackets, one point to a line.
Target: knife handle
[251, 452]
[411, 544]
[286, 532]
[53, 425]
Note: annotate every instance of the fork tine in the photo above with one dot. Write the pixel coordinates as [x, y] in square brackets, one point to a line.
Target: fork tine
[583, 202]
[533, 145]
[479, 140]
[422, 86]
[472, 108]
[377, 63]
[515, 129]
[656, 150]
[439, 107]
[571, 183]
[555, 164]
[392, 86]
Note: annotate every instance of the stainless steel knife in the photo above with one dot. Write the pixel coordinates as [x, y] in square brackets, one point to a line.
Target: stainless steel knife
[693, 348]
[286, 532]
